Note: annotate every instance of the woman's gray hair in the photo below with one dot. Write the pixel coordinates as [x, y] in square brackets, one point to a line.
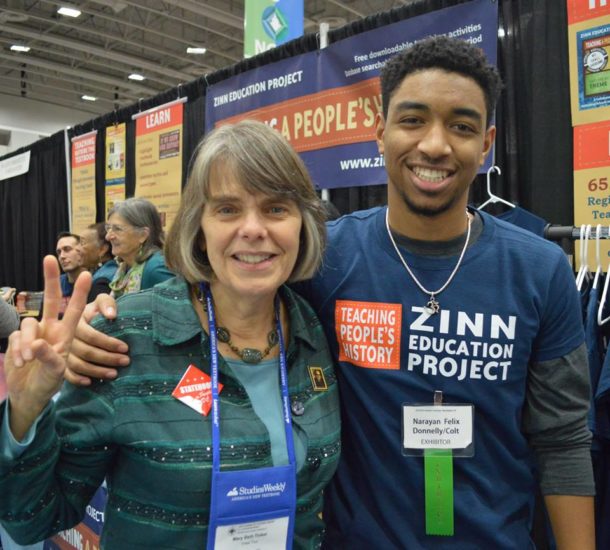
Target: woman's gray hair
[141, 214]
[262, 161]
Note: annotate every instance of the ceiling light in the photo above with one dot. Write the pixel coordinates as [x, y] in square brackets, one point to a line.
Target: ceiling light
[69, 12]
[136, 76]
[19, 48]
[501, 33]
[88, 98]
[196, 50]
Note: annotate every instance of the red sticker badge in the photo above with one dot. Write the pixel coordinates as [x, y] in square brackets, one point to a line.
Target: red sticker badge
[195, 390]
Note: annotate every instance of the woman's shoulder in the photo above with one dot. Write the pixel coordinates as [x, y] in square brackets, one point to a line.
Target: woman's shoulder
[139, 306]
[296, 303]
[303, 319]
[155, 270]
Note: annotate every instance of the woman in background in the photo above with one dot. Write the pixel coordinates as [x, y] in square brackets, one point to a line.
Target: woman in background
[135, 232]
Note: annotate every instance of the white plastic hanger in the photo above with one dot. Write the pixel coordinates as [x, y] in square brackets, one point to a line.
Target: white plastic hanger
[583, 272]
[581, 244]
[598, 259]
[494, 198]
[602, 302]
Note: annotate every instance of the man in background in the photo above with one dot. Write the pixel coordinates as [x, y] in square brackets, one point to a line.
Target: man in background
[98, 259]
[70, 256]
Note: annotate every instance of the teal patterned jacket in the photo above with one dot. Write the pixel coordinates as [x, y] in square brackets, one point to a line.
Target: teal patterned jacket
[155, 451]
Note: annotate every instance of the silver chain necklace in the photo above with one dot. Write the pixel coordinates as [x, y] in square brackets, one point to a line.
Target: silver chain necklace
[432, 306]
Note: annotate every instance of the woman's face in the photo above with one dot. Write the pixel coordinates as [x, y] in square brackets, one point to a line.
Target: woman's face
[252, 240]
[124, 238]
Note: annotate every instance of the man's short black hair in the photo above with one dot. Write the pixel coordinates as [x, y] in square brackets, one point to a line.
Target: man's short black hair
[449, 54]
[63, 234]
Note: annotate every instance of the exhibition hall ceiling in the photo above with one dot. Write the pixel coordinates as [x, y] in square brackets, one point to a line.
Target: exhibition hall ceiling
[94, 54]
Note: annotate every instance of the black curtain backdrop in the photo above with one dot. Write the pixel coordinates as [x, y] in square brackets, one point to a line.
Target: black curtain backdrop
[533, 145]
[33, 209]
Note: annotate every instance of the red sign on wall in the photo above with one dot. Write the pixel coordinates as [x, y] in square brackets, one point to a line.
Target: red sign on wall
[581, 10]
[592, 145]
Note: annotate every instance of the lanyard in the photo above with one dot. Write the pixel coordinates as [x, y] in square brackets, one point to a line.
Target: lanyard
[205, 289]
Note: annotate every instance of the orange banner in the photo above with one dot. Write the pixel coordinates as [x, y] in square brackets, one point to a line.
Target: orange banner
[159, 119]
[337, 116]
[80, 537]
[582, 10]
[592, 145]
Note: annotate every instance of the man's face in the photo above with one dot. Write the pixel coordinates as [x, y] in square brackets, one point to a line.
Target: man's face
[434, 140]
[69, 254]
[90, 246]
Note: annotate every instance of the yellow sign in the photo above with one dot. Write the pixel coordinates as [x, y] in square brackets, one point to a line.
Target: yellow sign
[115, 166]
[83, 182]
[159, 158]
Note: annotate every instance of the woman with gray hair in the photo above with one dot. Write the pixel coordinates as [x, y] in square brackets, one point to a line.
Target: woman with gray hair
[135, 232]
[226, 427]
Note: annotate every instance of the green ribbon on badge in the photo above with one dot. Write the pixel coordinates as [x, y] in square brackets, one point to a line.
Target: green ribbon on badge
[438, 480]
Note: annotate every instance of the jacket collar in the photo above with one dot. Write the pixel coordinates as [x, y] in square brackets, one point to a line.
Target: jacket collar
[175, 321]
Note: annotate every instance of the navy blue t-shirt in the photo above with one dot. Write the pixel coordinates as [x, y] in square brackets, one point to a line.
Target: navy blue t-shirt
[512, 301]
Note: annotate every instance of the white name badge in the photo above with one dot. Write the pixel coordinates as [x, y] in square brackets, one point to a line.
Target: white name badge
[438, 427]
[269, 534]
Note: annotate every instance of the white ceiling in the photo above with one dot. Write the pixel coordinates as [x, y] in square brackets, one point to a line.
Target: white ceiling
[93, 54]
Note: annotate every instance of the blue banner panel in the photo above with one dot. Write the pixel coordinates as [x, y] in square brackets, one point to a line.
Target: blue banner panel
[325, 102]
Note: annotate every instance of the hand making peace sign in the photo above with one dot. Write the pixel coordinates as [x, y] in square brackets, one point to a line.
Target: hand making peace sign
[36, 357]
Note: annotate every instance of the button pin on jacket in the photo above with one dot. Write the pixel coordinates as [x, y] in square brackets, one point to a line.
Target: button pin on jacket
[318, 380]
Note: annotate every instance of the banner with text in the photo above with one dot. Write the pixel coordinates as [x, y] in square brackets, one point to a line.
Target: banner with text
[115, 166]
[159, 158]
[15, 166]
[325, 102]
[85, 535]
[592, 182]
[268, 23]
[83, 182]
[589, 49]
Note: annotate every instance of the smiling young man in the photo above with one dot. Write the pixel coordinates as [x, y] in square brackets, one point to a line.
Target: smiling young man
[458, 338]
[428, 301]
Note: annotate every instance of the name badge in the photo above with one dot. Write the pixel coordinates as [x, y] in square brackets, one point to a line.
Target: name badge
[268, 534]
[448, 427]
[253, 509]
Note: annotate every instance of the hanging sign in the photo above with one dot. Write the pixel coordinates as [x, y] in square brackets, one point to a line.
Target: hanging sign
[589, 49]
[83, 181]
[268, 23]
[15, 166]
[159, 150]
[592, 182]
[114, 166]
